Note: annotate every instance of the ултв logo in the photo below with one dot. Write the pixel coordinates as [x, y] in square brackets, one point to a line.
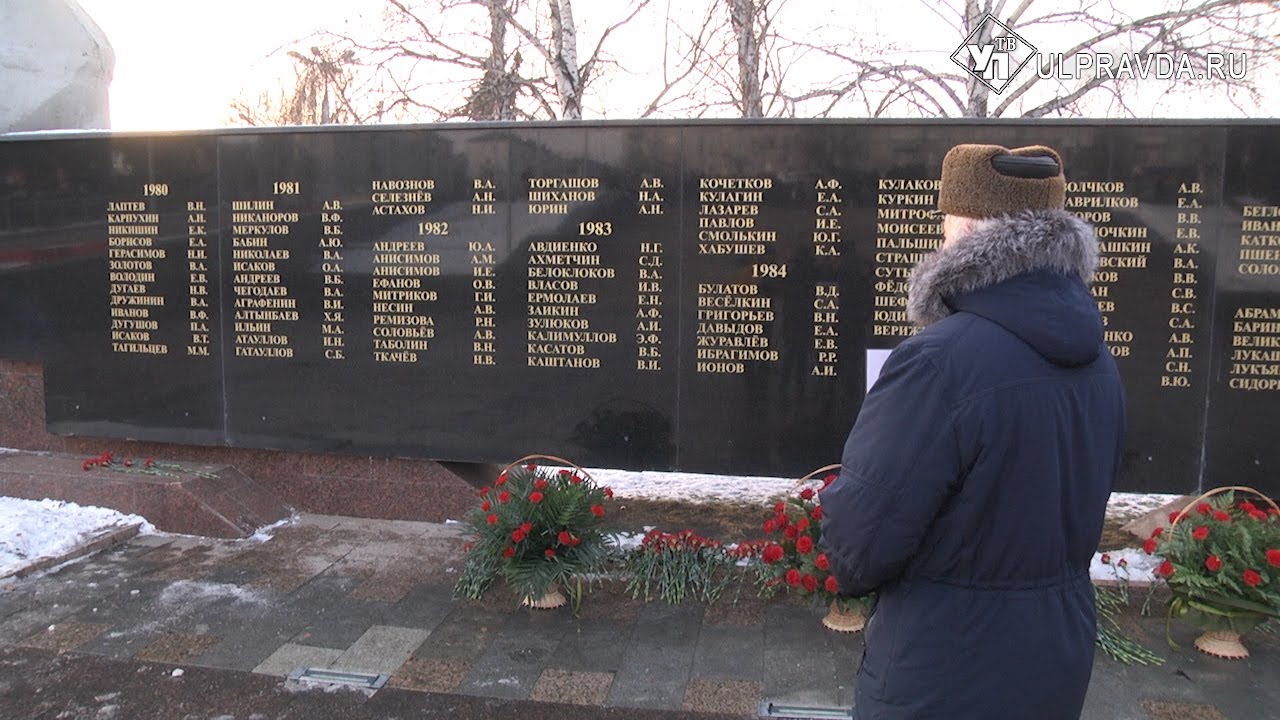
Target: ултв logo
[993, 54]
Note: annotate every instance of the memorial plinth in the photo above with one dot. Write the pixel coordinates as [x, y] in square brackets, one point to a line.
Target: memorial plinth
[708, 297]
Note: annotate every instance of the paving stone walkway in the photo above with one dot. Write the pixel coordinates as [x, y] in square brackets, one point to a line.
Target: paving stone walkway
[376, 597]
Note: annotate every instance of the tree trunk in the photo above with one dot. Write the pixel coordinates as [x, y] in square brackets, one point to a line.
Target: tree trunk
[742, 16]
[979, 94]
[568, 79]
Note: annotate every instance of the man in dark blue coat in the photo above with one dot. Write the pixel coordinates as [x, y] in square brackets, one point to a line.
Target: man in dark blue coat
[975, 480]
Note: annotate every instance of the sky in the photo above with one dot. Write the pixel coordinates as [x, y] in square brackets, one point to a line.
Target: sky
[179, 64]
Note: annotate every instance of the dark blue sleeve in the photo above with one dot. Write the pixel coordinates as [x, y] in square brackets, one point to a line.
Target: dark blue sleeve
[900, 464]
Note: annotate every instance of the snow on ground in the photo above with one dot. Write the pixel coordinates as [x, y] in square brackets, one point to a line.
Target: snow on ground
[32, 530]
[1138, 567]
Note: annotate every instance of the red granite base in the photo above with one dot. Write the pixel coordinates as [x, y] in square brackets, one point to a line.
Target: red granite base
[359, 486]
[227, 504]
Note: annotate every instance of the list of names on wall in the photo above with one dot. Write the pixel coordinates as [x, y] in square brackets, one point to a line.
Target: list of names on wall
[264, 311]
[333, 330]
[735, 319]
[133, 259]
[1255, 336]
[650, 288]
[404, 297]
[567, 278]
[1123, 248]
[908, 227]
[484, 275]
[1185, 296]
[198, 270]
[827, 237]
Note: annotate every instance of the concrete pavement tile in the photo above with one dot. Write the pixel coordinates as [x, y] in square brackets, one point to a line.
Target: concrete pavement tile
[728, 652]
[289, 657]
[592, 645]
[463, 635]
[799, 664]
[442, 676]
[324, 522]
[63, 637]
[575, 688]
[381, 649]
[1160, 710]
[747, 610]
[516, 657]
[282, 582]
[655, 671]
[386, 587]
[734, 697]
[154, 540]
[176, 648]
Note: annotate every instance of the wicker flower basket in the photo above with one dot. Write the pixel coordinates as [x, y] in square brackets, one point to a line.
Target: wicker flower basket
[1223, 620]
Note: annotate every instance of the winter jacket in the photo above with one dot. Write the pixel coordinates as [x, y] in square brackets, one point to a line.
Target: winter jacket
[975, 480]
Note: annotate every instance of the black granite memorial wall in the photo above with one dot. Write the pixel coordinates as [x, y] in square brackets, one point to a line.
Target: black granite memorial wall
[695, 296]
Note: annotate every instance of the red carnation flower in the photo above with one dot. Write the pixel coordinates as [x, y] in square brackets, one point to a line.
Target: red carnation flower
[128, 462]
[535, 497]
[1221, 516]
[509, 552]
[1273, 557]
[492, 519]
[608, 492]
[831, 585]
[1213, 562]
[1106, 558]
[502, 479]
[791, 532]
[1157, 532]
[817, 513]
[781, 521]
[526, 528]
[530, 467]
[486, 506]
[793, 577]
[1204, 508]
[821, 562]
[504, 496]
[564, 537]
[540, 484]
[1122, 563]
[148, 462]
[1149, 547]
[769, 525]
[1201, 532]
[574, 540]
[597, 510]
[549, 553]
[1273, 511]
[806, 494]
[804, 545]
[574, 479]
[1173, 517]
[484, 491]
[828, 480]
[779, 508]
[1252, 578]
[88, 464]
[517, 535]
[803, 524]
[1165, 570]
[809, 582]
[772, 553]
[1257, 515]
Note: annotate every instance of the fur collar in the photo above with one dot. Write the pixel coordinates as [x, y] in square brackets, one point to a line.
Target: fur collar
[997, 250]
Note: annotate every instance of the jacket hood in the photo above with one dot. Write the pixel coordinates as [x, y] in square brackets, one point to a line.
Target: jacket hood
[1028, 273]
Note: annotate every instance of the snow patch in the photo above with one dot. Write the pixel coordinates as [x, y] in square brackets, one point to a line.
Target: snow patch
[193, 592]
[32, 530]
[1139, 567]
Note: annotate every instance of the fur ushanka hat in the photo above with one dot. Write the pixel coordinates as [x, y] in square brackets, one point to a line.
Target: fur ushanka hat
[982, 181]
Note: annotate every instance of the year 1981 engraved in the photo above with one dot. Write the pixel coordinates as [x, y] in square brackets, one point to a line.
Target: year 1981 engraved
[286, 187]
